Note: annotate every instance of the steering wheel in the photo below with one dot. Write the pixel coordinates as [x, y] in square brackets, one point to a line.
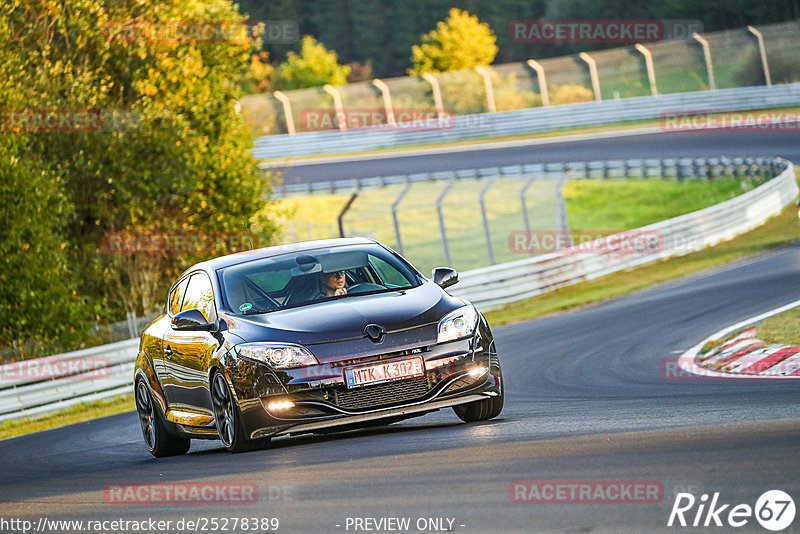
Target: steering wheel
[364, 287]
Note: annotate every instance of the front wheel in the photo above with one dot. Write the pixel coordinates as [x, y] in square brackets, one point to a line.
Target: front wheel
[154, 429]
[481, 410]
[228, 418]
[488, 408]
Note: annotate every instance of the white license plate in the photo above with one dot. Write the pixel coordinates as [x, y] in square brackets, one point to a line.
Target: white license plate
[383, 372]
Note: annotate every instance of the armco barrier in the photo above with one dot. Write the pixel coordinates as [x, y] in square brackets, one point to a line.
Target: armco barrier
[540, 119]
[33, 387]
[490, 287]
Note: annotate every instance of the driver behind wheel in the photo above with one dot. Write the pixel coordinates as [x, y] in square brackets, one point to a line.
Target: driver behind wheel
[332, 284]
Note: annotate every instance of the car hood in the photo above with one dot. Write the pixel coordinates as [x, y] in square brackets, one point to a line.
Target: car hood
[409, 316]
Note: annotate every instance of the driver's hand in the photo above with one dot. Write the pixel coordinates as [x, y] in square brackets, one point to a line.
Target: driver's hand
[340, 291]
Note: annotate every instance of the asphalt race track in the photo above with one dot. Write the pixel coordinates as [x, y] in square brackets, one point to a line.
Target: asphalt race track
[587, 399]
[708, 143]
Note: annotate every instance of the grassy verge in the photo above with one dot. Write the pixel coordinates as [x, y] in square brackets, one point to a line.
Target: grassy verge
[73, 414]
[781, 329]
[779, 230]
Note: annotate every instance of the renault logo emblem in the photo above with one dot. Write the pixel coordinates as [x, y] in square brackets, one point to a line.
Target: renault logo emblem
[375, 332]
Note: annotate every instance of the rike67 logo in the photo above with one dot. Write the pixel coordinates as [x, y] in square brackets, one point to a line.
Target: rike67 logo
[774, 510]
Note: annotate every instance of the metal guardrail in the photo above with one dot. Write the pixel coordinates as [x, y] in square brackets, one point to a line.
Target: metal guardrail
[33, 387]
[494, 286]
[539, 119]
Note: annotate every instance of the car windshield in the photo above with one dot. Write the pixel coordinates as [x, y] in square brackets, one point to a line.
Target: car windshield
[311, 276]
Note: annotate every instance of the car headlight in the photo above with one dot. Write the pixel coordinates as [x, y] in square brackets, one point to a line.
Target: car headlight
[278, 355]
[457, 324]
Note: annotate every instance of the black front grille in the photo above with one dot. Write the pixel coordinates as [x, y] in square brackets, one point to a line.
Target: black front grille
[395, 392]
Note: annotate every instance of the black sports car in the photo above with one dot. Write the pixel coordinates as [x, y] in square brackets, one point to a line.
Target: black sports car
[309, 337]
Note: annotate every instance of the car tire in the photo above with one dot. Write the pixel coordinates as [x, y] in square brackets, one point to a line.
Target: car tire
[480, 410]
[228, 418]
[154, 427]
[488, 408]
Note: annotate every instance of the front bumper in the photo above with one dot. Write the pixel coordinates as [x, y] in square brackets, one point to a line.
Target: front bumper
[458, 372]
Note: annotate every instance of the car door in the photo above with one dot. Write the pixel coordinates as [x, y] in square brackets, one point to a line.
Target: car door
[189, 352]
[162, 357]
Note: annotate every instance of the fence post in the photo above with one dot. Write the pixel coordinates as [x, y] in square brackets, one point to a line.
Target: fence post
[763, 51]
[387, 100]
[437, 93]
[707, 55]
[589, 60]
[486, 232]
[131, 318]
[648, 63]
[396, 222]
[524, 205]
[346, 207]
[341, 118]
[287, 111]
[561, 206]
[542, 81]
[445, 243]
[487, 84]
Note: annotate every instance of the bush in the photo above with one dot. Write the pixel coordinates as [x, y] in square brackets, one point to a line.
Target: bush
[570, 94]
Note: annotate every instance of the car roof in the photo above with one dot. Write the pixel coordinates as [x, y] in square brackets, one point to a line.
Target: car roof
[248, 255]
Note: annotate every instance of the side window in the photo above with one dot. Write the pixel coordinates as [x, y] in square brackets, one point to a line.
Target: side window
[388, 274]
[200, 295]
[176, 297]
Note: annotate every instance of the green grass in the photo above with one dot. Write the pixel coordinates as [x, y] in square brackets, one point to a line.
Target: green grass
[74, 414]
[781, 329]
[596, 206]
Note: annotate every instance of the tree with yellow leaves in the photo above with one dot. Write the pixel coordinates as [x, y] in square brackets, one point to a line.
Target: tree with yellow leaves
[459, 42]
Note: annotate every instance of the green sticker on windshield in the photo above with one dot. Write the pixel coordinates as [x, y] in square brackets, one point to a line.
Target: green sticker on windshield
[246, 306]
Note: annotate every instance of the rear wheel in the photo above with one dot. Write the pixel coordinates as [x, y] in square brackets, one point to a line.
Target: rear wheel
[154, 429]
[229, 419]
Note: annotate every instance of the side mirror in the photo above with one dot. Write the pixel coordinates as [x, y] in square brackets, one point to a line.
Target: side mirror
[444, 277]
[192, 320]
